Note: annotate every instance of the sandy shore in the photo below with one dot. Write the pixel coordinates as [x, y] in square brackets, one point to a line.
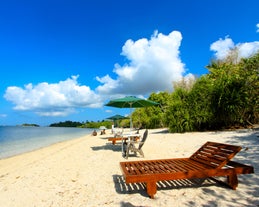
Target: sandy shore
[85, 172]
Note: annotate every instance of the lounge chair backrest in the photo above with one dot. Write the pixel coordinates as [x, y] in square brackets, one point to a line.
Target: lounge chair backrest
[142, 141]
[215, 155]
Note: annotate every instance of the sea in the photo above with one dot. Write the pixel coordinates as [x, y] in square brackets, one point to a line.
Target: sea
[15, 140]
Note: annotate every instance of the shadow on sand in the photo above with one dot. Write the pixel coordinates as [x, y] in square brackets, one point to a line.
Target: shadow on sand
[140, 188]
[108, 146]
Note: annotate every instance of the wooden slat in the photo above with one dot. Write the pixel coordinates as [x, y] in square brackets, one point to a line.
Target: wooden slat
[158, 166]
[143, 169]
[167, 168]
[174, 164]
[215, 154]
[169, 165]
[130, 169]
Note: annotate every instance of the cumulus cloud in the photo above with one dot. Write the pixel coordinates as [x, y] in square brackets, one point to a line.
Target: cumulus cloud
[223, 48]
[257, 27]
[153, 65]
[57, 99]
[248, 49]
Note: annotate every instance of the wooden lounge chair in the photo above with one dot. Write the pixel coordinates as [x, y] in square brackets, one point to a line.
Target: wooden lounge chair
[211, 160]
[115, 139]
[120, 138]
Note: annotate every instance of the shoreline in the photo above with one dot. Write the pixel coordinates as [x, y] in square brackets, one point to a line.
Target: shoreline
[42, 148]
[85, 172]
[18, 140]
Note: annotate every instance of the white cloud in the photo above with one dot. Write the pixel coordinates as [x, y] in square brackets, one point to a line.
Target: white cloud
[257, 27]
[222, 48]
[248, 49]
[57, 99]
[152, 66]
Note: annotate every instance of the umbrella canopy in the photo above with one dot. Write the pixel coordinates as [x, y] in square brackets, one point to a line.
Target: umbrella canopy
[102, 127]
[117, 117]
[130, 102]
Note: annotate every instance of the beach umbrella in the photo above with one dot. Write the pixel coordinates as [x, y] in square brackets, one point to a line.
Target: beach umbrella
[117, 117]
[102, 127]
[130, 102]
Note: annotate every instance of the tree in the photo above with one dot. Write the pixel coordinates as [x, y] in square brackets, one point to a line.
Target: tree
[235, 92]
[178, 113]
[199, 102]
[225, 97]
[151, 117]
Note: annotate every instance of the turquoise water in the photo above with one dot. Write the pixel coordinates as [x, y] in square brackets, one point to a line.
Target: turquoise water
[16, 140]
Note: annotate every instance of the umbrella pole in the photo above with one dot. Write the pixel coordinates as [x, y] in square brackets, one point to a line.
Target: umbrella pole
[131, 124]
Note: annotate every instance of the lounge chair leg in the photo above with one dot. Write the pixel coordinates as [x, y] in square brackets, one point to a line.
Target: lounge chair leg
[127, 149]
[151, 188]
[141, 153]
[232, 180]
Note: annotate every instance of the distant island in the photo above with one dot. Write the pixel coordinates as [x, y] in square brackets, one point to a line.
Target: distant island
[66, 124]
[34, 125]
[87, 124]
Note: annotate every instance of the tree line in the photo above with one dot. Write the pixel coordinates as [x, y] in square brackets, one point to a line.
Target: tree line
[225, 97]
[86, 124]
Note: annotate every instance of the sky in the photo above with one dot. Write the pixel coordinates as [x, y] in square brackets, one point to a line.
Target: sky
[65, 59]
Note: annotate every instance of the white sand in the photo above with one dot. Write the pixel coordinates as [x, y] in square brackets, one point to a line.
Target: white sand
[86, 172]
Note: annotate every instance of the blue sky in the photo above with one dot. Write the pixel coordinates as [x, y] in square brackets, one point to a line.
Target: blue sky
[63, 60]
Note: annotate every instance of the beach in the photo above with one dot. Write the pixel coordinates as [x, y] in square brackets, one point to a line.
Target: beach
[85, 172]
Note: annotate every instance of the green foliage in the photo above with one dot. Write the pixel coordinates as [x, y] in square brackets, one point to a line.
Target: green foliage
[151, 117]
[235, 92]
[34, 125]
[96, 125]
[199, 103]
[93, 125]
[225, 97]
[124, 123]
[178, 114]
[66, 124]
